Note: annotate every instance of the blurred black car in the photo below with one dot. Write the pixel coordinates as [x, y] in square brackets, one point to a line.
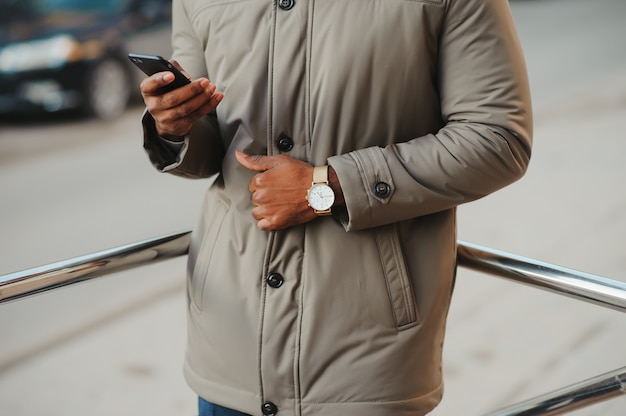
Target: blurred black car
[71, 54]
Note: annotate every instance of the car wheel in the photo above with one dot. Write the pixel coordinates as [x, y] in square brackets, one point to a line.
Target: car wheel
[107, 90]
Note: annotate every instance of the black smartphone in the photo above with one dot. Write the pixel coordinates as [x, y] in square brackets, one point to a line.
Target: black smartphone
[151, 64]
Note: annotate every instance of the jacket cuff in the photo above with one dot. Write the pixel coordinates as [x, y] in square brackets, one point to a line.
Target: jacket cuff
[164, 154]
[367, 187]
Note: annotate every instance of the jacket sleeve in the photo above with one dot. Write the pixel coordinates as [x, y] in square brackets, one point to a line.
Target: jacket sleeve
[485, 143]
[199, 157]
[204, 150]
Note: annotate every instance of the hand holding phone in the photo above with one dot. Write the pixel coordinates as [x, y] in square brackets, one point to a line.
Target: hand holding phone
[174, 117]
[152, 64]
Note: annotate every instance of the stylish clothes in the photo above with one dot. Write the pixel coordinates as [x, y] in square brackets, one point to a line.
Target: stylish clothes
[419, 106]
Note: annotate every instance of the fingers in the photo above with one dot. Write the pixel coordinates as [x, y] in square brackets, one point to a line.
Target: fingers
[271, 221]
[259, 163]
[153, 95]
[175, 115]
[248, 161]
[152, 85]
[278, 190]
[180, 68]
[175, 112]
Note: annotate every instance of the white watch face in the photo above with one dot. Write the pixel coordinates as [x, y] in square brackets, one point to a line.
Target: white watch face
[321, 197]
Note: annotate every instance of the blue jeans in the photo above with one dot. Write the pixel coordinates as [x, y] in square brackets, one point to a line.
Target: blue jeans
[209, 409]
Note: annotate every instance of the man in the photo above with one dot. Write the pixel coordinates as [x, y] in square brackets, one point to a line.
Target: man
[340, 136]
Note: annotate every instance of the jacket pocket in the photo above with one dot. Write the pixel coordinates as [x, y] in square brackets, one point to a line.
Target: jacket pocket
[399, 287]
[202, 255]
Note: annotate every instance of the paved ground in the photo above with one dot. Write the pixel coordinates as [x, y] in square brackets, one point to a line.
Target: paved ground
[506, 342]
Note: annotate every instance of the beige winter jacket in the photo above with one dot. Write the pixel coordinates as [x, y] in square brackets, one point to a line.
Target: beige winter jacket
[419, 106]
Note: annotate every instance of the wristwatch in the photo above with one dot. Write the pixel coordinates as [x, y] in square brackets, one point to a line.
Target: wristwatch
[321, 196]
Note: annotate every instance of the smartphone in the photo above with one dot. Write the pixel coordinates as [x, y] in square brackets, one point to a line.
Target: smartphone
[151, 64]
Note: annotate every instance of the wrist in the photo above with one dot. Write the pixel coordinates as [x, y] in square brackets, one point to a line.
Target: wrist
[170, 137]
[333, 182]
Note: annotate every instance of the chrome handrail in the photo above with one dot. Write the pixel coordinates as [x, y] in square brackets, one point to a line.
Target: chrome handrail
[567, 399]
[579, 285]
[29, 282]
[583, 286]
[572, 283]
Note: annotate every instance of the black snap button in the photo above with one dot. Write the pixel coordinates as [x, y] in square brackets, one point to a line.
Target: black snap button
[284, 143]
[382, 189]
[274, 280]
[286, 4]
[269, 409]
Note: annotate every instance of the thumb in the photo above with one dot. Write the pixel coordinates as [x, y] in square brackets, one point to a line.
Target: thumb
[258, 163]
